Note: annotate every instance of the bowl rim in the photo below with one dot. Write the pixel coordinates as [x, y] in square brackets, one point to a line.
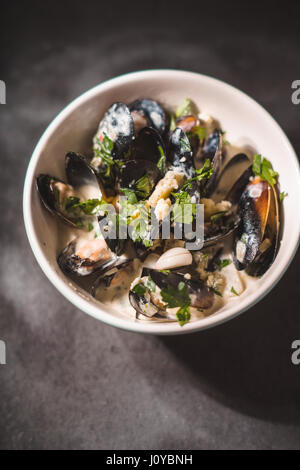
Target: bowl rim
[96, 311]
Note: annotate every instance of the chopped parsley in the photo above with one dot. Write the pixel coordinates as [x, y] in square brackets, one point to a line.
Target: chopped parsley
[215, 291]
[234, 291]
[89, 207]
[139, 289]
[222, 263]
[161, 164]
[130, 195]
[200, 131]
[186, 108]
[178, 298]
[103, 149]
[185, 144]
[150, 284]
[203, 173]
[217, 216]
[184, 209]
[263, 168]
[143, 187]
[172, 121]
[282, 195]
[90, 227]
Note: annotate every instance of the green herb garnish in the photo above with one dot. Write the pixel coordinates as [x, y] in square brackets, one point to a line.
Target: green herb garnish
[234, 291]
[282, 195]
[217, 216]
[222, 263]
[150, 284]
[185, 144]
[143, 187]
[186, 108]
[139, 289]
[90, 227]
[161, 164]
[178, 298]
[200, 131]
[263, 168]
[215, 291]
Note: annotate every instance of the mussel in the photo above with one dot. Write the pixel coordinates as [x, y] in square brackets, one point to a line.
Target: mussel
[256, 244]
[84, 259]
[232, 171]
[61, 198]
[149, 145]
[140, 176]
[212, 150]
[117, 126]
[110, 276]
[152, 113]
[180, 153]
[201, 296]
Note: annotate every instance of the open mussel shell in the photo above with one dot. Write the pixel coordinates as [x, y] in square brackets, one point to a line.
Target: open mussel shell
[108, 273]
[151, 111]
[235, 192]
[109, 229]
[217, 232]
[148, 145]
[180, 153]
[254, 207]
[232, 171]
[140, 176]
[269, 246]
[117, 125]
[49, 189]
[71, 262]
[200, 294]
[143, 304]
[80, 174]
[211, 150]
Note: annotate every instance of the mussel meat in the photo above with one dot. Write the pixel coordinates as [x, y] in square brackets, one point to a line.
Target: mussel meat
[86, 258]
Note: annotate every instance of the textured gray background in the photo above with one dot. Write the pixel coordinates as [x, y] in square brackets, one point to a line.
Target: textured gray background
[70, 381]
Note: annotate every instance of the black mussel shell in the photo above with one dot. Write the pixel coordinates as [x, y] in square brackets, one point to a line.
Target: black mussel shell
[234, 168]
[216, 232]
[110, 233]
[107, 275]
[212, 150]
[152, 111]
[200, 294]
[253, 210]
[142, 304]
[70, 263]
[79, 172]
[48, 195]
[180, 153]
[148, 145]
[117, 125]
[267, 253]
[236, 191]
[140, 176]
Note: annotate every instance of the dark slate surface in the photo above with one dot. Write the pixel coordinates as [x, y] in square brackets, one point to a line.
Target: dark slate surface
[70, 381]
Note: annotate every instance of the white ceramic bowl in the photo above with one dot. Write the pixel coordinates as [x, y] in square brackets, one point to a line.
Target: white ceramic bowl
[246, 123]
